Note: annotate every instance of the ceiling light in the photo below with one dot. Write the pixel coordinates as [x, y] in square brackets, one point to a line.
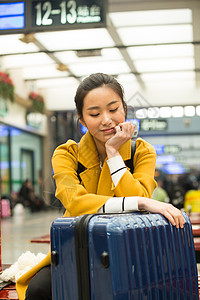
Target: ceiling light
[153, 112]
[26, 60]
[12, 44]
[189, 75]
[56, 82]
[150, 17]
[165, 112]
[177, 111]
[189, 111]
[141, 113]
[126, 78]
[156, 34]
[160, 51]
[41, 72]
[109, 67]
[198, 110]
[171, 64]
[75, 39]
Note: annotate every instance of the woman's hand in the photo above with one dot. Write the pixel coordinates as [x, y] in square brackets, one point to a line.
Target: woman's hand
[173, 214]
[124, 132]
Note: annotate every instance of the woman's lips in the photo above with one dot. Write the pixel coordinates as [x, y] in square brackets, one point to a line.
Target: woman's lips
[108, 130]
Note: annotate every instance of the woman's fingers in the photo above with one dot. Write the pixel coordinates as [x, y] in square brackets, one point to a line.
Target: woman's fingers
[127, 128]
[177, 216]
[173, 214]
[169, 217]
[123, 132]
[117, 128]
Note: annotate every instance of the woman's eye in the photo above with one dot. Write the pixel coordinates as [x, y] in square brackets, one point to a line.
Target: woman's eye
[113, 110]
[94, 115]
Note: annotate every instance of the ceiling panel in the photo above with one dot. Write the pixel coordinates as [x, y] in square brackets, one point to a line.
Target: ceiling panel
[151, 17]
[155, 34]
[56, 82]
[170, 64]
[112, 67]
[12, 44]
[42, 72]
[104, 55]
[161, 51]
[26, 60]
[75, 39]
[169, 76]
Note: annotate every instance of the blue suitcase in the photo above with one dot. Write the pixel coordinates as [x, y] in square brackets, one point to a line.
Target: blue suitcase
[122, 256]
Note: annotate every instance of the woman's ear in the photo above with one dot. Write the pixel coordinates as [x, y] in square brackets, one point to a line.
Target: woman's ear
[82, 121]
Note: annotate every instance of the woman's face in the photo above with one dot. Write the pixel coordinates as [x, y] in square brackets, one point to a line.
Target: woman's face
[102, 111]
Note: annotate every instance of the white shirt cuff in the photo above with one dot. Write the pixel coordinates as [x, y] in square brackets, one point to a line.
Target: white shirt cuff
[117, 168]
[120, 205]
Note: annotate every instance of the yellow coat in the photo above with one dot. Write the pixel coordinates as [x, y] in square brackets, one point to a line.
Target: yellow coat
[96, 185]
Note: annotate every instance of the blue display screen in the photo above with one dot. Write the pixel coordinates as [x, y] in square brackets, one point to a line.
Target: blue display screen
[12, 16]
[165, 159]
[160, 149]
[174, 169]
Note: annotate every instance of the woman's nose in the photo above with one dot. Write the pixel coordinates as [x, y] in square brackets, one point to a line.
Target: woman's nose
[106, 119]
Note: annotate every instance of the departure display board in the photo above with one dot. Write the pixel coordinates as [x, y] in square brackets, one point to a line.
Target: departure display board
[36, 16]
[12, 16]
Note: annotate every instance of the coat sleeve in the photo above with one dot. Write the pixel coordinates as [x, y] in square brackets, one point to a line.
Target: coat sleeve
[141, 182]
[74, 197]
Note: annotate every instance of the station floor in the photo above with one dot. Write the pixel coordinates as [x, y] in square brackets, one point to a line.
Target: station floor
[18, 230]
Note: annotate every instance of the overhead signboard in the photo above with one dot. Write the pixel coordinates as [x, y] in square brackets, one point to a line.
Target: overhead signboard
[12, 16]
[36, 16]
[171, 149]
[154, 125]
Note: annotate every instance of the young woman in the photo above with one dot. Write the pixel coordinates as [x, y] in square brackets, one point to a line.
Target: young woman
[105, 183]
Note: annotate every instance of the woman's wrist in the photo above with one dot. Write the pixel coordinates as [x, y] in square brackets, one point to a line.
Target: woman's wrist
[111, 152]
[141, 203]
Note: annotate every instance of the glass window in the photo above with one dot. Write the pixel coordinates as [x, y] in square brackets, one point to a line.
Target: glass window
[26, 156]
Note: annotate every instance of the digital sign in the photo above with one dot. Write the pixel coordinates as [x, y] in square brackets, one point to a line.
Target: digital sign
[12, 16]
[161, 149]
[37, 16]
[154, 125]
[174, 168]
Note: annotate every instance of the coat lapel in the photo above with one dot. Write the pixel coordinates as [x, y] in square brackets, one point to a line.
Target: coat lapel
[105, 182]
[88, 157]
[94, 179]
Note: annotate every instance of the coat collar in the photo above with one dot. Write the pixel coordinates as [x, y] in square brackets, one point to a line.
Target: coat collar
[88, 155]
[87, 151]
[95, 180]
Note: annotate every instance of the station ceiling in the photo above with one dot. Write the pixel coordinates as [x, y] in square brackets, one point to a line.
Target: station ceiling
[152, 47]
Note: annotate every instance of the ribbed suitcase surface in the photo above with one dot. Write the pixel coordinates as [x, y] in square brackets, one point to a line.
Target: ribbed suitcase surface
[130, 256]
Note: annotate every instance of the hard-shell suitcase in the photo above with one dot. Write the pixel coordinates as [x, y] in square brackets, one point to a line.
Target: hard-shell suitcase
[122, 256]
